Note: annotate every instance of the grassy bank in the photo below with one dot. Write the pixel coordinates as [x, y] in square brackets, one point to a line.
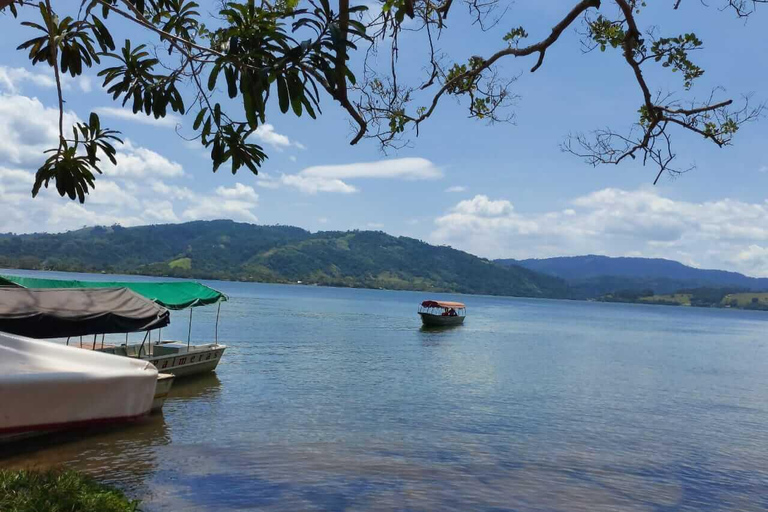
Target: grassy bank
[59, 491]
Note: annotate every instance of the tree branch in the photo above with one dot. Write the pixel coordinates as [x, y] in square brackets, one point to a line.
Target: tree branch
[539, 47]
[53, 61]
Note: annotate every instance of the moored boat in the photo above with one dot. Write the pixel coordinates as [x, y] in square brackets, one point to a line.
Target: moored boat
[54, 313]
[437, 313]
[169, 356]
[47, 387]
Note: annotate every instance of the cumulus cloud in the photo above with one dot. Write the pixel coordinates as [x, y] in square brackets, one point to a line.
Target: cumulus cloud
[239, 191]
[138, 162]
[110, 193]
[720, 234]
[209, 208]
[266, 180]
[140, 189]
[456, 188]
[266, 133]
[172, 191]
[169, 121]
[313, 185]
[28, 129]
[13, 80]
[15, 179]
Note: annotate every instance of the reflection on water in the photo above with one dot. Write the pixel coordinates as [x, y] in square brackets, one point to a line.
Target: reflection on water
[204, 386]
[127, 451]
[531, 405]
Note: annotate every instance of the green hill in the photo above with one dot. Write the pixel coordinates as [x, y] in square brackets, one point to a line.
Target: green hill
[281, 254]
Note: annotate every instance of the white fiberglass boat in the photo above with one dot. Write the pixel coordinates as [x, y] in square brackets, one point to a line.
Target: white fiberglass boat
[47, 387]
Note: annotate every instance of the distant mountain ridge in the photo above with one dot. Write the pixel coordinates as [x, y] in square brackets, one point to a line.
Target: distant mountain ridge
[595, 275]
[229, 250]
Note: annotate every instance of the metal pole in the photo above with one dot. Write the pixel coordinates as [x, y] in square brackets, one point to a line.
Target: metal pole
[126, 339]
[138, 354]
[67, 340]
[94, 342]
[102, 340]
[81, 342]
[216, 335]
[189, 333]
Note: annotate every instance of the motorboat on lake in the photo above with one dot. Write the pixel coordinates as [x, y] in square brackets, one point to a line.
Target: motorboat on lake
[47, 386]
[169, 356]
[438, 313]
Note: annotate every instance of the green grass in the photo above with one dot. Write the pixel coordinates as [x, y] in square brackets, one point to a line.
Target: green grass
[745, 299]
[58, 491]
[684, 299]
[181, 263]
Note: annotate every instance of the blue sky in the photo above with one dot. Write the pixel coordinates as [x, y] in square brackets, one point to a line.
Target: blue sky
[496, 191]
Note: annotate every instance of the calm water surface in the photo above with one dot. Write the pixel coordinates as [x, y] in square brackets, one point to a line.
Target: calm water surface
[335, 399]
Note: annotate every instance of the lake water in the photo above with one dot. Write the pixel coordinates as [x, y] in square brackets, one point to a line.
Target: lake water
[336, 399]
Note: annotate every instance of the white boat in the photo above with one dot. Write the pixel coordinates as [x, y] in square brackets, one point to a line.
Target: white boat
[169, 356]
[173, 357]
[162, 389]
[47, 387]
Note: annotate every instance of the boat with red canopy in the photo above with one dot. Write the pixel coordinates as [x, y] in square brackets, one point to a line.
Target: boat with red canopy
[441, 313]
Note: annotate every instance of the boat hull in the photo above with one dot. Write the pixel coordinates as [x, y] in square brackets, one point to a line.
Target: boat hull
[46, 387]
[431, 320]
[174, 357]
[190, 363]
[164, 384]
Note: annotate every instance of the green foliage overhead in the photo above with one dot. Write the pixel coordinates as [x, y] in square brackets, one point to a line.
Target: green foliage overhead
[224, 63]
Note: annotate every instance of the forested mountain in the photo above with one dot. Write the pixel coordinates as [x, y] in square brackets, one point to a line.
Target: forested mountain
[229, 250]
[591, 276]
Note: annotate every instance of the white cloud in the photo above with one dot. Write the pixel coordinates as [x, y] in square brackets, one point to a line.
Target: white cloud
[313, 185]
[239, 191]
[456, 188]
[323, 220]
[401, 168]
[12, 80]
[172, 191]
[235, 203]
[84, 82]
[266, 133]
[28, 129]
[375, 225]
[331, 178]
[138, 162]
[266, 180]
[719, 234]
[764, 168]
[169, 121]
[110, 193]
[139, 190]
[160, 211]
[483, 207]
[211, 208]
[15, 179]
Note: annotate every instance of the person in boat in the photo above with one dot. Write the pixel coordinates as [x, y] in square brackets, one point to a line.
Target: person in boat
[452, 312]
[445, 312]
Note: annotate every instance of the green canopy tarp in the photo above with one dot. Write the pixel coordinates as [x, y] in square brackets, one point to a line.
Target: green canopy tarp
[172, 295]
